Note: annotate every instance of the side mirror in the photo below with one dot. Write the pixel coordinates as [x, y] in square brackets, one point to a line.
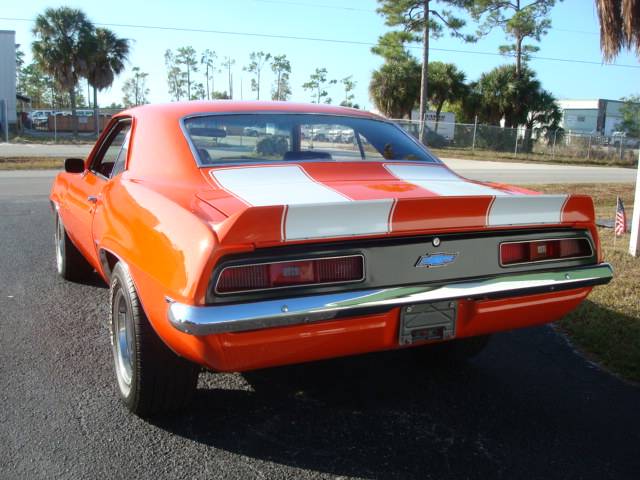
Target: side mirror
[74, 165]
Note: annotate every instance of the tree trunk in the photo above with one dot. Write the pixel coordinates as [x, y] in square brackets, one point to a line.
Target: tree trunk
[258, 85]
[519, 57]
[188, 83]
[278, 92]
[74, 117]
[438, 110]
[209, 91]
[425, 70]
[96, 114]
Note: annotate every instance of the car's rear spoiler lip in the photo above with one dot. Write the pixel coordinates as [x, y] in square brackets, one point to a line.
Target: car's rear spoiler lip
[215, 319]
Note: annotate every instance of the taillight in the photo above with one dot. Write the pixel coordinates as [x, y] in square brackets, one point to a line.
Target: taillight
[540, 250]
[264, 276]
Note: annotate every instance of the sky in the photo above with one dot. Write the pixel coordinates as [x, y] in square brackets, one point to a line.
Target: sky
[573, 36]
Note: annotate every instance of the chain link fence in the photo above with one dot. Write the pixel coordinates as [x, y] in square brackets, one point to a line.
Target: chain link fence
[57, 127]
[486, 141]
[455, 139]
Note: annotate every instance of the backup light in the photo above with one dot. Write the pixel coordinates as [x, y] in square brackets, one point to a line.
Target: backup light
[294, 273]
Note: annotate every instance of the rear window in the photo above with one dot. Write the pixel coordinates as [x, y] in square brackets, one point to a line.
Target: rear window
[239, 138]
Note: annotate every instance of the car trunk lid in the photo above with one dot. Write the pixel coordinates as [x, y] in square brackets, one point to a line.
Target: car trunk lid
[272, 204]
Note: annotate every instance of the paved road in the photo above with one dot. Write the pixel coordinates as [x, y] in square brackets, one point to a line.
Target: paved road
[538, 173]
[528, 407]
[513, 173]
[507, 172]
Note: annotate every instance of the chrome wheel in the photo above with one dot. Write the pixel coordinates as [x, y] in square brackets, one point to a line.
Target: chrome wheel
[59, 244]
[123, 341]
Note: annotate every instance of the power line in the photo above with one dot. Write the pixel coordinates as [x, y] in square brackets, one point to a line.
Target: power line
[316, 5]
[339, 7]
[332, 40]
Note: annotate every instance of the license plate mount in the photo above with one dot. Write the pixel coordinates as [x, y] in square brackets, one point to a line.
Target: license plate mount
[428, 322]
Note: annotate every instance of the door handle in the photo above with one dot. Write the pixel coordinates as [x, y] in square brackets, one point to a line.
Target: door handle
[92, 199]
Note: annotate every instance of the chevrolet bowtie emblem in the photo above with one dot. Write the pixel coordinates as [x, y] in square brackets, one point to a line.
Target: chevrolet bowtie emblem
[436, 260]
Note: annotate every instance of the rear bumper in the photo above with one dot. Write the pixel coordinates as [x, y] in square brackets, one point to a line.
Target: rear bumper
[215, 319]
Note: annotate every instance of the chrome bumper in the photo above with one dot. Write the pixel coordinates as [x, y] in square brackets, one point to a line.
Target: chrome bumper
[212, 319]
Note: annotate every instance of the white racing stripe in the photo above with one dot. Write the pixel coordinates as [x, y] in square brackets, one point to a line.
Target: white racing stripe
[337, 220]
[526, 210]
[440, 180]
[285, 185]
[313, 210]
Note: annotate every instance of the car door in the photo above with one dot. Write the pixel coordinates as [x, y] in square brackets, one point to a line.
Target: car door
[85, 190]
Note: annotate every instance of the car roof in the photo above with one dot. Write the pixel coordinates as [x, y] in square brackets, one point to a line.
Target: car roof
[182, 109]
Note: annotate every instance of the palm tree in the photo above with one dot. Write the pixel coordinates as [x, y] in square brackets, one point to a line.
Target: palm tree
[105, 60]
[60, 48]
[446, 84]
[619, 26]
[395, 88]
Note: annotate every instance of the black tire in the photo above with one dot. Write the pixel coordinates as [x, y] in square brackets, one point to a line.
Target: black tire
[455, 351]
[151, 378]
[70, 263]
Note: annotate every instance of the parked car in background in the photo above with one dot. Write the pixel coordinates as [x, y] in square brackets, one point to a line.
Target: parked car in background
[40, 117]
[235, 255]
[622, 138]
[254, 131]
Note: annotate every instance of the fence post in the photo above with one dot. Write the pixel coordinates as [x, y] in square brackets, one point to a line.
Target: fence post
[589, 149]
[621, 142]
[475, 128]
[515, 152]
[5, 120]
[55, 128]
[553, 149]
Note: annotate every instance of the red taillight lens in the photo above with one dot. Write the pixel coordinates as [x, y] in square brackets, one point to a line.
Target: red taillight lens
[526, 252]
[289, 274]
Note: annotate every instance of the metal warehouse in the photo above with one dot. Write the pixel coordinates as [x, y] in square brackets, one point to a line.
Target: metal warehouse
[597, 116]
[8, 76]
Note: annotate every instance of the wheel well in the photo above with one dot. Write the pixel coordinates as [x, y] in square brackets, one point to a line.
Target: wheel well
[108, 261]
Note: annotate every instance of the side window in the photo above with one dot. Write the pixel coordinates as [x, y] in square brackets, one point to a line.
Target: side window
[112, 156]
[122, 155]
[371, 153]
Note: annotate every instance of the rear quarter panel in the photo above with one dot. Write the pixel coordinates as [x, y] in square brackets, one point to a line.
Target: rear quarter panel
[165, 246]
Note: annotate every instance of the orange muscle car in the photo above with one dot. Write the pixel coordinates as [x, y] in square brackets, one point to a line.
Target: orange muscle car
[243, 235]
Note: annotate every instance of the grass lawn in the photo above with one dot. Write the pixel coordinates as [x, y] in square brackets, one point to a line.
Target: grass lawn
[31, 163]
[606, 327]
[629, 160]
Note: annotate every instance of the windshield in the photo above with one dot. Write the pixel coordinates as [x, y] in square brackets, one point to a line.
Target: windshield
[294, 137]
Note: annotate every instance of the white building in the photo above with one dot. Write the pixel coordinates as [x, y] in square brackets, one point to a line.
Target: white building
[597, 116]
[8, 72]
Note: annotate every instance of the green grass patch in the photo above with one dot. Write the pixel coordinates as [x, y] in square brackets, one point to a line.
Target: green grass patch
[607, 326]
[468, 154]
[31, 163]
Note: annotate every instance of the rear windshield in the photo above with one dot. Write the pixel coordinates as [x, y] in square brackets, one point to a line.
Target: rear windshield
[294, 137]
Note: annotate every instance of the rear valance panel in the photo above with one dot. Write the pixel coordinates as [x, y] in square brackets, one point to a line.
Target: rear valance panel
[406, 261]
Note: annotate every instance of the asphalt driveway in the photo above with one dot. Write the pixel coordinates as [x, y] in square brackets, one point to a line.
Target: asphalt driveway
[528, 407]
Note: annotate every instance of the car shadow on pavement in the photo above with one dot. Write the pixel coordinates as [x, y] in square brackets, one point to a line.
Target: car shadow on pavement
[93, 280]
[518, 409]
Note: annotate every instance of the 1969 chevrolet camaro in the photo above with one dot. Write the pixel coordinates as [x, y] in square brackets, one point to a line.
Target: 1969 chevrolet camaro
[243, 235]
